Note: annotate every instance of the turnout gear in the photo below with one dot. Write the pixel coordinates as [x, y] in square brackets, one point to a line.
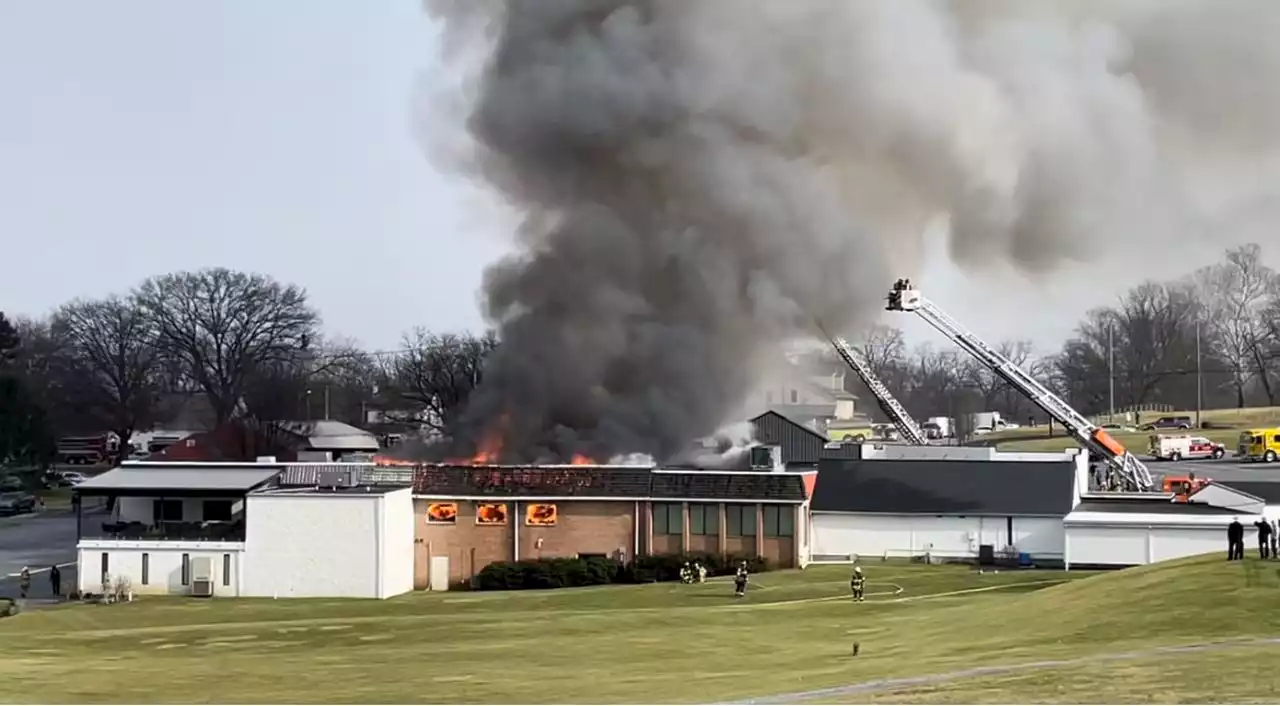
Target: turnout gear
[24, 582]
[686, 573]
[740, 580]
[858, 584]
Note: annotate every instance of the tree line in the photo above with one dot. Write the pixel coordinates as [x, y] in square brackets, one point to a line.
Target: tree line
[253, 350]
[248, 347]
[1212, 333]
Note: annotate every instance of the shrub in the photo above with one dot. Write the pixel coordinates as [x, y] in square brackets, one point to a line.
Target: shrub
[8, 607]
[595, 571]
[546, 573]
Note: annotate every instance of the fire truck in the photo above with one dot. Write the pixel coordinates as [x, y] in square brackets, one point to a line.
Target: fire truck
[87, 450]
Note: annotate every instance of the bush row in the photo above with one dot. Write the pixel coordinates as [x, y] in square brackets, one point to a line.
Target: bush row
[595, 571]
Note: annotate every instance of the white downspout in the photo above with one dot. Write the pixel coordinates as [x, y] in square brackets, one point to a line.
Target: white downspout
[515, 522]
[635, 549]
[1066, 549]
[380, 542]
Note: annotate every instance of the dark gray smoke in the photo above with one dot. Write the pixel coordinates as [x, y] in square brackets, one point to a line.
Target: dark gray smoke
[700, 179]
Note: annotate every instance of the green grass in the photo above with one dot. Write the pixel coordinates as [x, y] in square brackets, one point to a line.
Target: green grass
[1231, 422]
[658, 643]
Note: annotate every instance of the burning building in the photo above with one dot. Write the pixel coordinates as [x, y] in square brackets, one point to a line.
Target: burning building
[470, 515]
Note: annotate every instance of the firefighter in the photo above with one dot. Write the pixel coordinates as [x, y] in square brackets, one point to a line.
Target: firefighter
[740, 580]
[686, 573]
[699, 572]
[858, 584]
[24, 582]
[1264, 538]
[55, 580]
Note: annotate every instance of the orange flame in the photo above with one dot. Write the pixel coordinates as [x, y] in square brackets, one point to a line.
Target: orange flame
[581, 460]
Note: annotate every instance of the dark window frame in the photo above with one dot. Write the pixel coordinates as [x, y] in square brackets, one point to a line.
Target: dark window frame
[708, 516]
[186, 569]
[226, 569]
[204, 510]
[740, 520]
[662, 518]
[146, 569]
[779, 521]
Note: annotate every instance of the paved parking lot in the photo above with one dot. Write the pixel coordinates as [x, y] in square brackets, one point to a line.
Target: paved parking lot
[37, 541]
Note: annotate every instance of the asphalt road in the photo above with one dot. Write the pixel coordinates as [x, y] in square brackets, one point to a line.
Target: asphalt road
[1223, 469]
[37, 541]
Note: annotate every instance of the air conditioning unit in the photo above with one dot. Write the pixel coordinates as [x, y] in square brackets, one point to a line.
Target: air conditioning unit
[338, 479]
[202, 577]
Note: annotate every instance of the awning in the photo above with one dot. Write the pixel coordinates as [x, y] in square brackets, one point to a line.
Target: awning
[154, 480]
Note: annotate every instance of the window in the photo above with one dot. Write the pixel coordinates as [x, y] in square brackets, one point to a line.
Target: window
[668, 518]
[217, 510]
[704, 519]
[740, 520]
[146, 569]
[226, 569]
[795, 396]
[779, 521]
[106, 564]
[166, 510]
[186, 569]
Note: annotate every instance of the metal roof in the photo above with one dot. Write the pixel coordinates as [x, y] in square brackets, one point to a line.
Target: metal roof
[158, 477]
[329, 435]
[944, 487]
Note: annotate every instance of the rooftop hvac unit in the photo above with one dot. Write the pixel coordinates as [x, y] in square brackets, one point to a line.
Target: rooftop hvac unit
[202, 577]
[338, 479]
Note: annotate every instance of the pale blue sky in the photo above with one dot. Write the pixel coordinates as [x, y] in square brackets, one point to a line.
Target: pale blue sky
[144, 136]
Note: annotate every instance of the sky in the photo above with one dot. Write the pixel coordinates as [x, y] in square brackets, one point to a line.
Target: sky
[146, 136]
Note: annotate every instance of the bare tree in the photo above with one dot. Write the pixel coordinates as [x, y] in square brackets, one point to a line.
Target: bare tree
[1150, 332]
[112, 363]
[432, 379]
[1233, 297]
[8, 341]
[221, 326]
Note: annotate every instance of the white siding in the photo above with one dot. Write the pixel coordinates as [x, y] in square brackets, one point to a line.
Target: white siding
[164, 565]
[312, 546]
[836, 534]
[397, 543]
[1133, 545]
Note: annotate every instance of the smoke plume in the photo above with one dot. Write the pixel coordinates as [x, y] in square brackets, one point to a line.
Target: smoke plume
[699, 179]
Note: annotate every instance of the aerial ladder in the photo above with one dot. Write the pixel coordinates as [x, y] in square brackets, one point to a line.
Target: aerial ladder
[902, 421]
[1131, 472]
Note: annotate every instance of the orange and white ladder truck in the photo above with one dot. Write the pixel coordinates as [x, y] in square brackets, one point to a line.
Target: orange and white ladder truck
[1131, 472]
[908, 430]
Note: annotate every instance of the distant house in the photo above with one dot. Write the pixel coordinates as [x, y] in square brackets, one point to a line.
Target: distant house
[324, 440]
[801, 445]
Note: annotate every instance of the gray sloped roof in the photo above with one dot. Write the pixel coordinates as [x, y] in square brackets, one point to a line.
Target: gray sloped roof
[1266, 491]
[179, 477]
[1151, 507]
[944, 487]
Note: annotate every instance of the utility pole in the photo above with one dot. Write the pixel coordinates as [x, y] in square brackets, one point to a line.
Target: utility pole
[1111, 370]
[326, 402]
[1199, 386]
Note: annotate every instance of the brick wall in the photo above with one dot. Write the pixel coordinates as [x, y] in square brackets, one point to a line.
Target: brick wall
[582, 527]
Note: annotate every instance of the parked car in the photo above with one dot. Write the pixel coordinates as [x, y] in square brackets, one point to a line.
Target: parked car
[16, 503]
[74, 477]
[10, 483]
[1168, 423]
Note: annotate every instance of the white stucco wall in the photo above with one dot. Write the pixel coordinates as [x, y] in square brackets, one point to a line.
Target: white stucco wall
[313, 545]
[842, 534]
[397, 543]
[164, 565]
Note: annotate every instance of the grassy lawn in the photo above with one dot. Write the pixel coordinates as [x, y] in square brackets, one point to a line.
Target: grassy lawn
[1231, 421]
[658, 643]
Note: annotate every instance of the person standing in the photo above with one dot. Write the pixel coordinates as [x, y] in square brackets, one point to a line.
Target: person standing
[1235, 540]
[55, 581]
[858, 584]
[740, 580]
[24, 582]
[1275, 541]
[1264, 538]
